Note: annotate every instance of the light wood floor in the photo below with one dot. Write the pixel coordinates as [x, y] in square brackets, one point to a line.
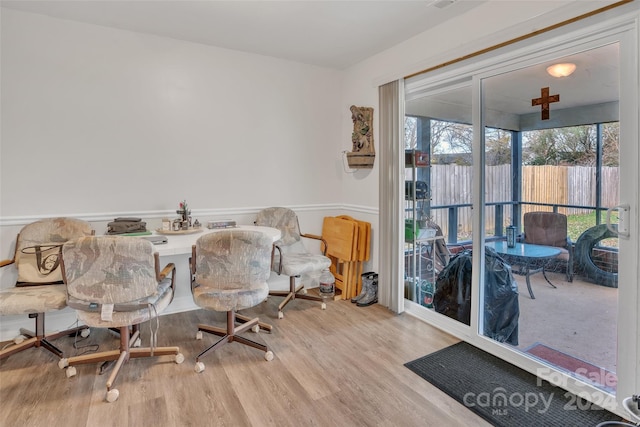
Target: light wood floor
[339, 367]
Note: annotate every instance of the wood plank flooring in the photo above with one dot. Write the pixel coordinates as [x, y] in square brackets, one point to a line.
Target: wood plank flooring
[338, 367]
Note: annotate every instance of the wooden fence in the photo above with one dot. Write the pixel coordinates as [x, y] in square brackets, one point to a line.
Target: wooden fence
[559, 185]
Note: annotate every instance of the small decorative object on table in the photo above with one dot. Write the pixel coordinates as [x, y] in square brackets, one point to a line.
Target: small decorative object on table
[181, 225]
[511, 236]
[184, 211]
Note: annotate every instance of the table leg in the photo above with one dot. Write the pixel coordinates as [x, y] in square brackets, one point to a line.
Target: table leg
[527, 274]
[544, 273]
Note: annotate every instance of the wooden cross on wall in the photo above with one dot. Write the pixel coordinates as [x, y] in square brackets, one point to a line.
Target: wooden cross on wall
[544, 102]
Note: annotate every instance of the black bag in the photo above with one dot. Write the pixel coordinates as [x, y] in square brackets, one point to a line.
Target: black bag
[126, 225]
[453, 288]
[501, 308]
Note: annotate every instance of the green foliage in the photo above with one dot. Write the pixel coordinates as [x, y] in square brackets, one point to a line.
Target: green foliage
[578, 224]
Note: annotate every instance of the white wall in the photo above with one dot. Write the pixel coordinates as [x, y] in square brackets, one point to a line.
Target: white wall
[99, 122]
[102, 120]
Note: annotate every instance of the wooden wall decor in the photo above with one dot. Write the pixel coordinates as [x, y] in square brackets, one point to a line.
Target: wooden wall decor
[363, 153]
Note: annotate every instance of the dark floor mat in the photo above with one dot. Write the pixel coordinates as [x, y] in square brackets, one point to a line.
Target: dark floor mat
[502, 393]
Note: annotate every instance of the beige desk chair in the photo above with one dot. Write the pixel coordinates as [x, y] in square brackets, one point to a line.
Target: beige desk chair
[229, 271]
[116, 282]
[291, 257]
[39, 288]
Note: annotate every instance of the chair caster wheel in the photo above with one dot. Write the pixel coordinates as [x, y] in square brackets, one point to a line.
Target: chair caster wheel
[255, 328]
[63, 363]
[324, 306]
[280, 315]
[85, 333]
[268, 356]
[199, 367]
[199, 335]
[179, 358]
[112, 395]
[70, 372]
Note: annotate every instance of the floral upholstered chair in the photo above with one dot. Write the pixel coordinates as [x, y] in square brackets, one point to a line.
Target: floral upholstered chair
[229, 271]
[39, 288]
[291, 257]
[116, 282]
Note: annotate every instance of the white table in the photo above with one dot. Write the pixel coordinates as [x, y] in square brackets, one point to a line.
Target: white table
[181, 244]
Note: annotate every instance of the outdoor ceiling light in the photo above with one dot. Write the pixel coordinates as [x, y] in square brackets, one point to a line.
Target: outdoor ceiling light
[561, 70]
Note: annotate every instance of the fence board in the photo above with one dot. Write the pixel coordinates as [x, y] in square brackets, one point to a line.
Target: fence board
[563, 185]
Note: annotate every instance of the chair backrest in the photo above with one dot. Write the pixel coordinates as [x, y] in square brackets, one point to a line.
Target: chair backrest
[38, 248]
[285, 220]
[233, 260]
[545, 228]
[109, 269]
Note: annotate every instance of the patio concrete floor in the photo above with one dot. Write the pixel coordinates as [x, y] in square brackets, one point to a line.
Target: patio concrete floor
[577, 318]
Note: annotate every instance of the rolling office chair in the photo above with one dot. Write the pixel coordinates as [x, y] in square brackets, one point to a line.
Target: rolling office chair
[229, 272]
[291, 257]
[550, 229]
[39, 288]
[116, 282]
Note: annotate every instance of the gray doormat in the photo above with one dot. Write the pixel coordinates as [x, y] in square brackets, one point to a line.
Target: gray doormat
[502, 393]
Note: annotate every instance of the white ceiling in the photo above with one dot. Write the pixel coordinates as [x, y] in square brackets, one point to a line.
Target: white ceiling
[594, 84]
[330, 33]
[334, 34]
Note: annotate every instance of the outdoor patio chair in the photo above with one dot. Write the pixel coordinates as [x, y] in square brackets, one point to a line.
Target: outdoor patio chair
[550, 229]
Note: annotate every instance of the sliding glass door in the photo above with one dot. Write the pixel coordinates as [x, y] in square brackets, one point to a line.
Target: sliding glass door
[535, 179]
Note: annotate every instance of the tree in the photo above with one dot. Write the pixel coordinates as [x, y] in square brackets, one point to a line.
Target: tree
[611, 144]
[497, 147]
[410, 133]
[574, 145]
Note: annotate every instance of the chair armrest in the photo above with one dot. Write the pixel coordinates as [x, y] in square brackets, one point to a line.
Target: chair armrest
[279, 270]
[7, 262]
[192, 267]
[169, 268]
[161, 275]
[316, 237]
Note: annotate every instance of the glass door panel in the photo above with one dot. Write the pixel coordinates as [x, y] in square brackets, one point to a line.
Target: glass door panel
[551, 170]
[438, 197]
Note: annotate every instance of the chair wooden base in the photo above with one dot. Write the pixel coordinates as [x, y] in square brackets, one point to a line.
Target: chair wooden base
[121, 356]
[232, 333]
[293, 293]
[39, 338]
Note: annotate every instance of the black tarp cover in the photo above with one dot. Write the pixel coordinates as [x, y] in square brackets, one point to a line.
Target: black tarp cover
[501, 310]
